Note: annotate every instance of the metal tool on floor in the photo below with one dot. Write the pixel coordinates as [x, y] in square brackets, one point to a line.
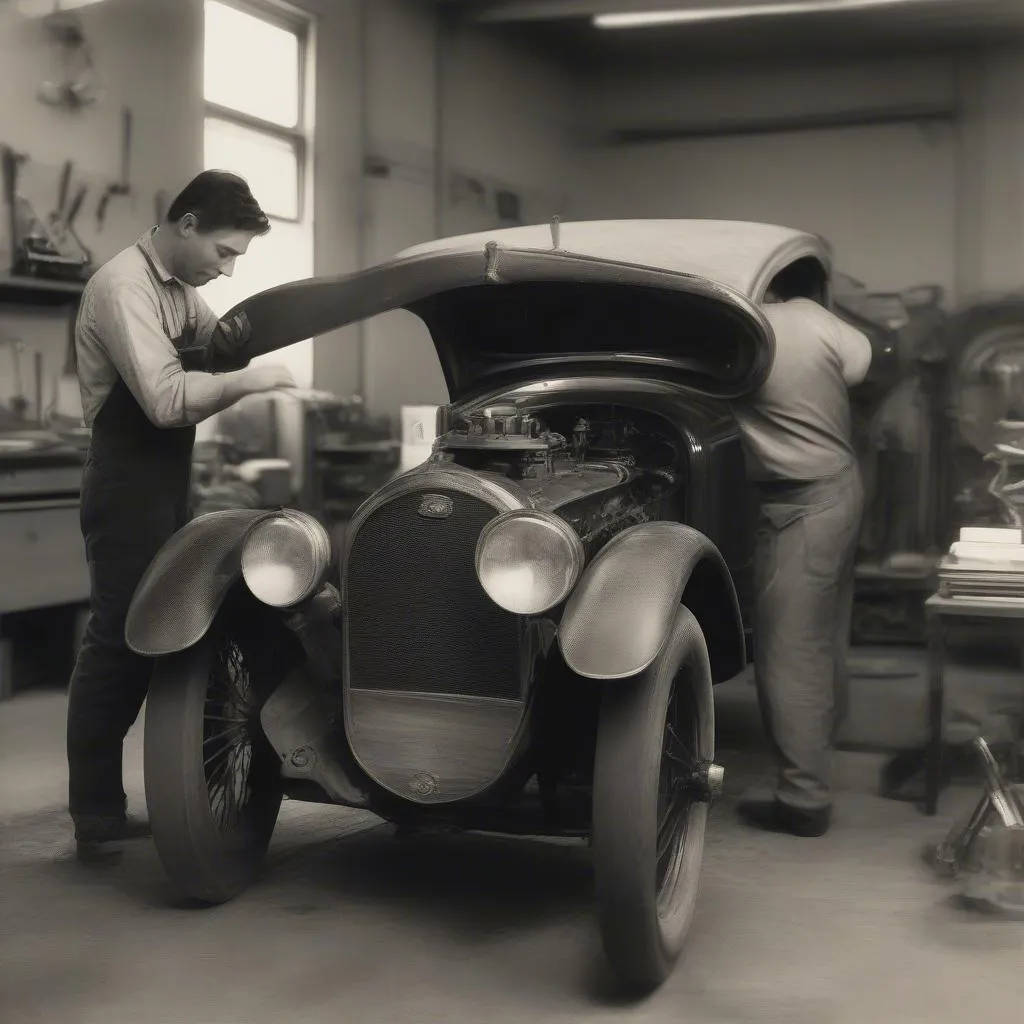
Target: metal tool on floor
[987, 848]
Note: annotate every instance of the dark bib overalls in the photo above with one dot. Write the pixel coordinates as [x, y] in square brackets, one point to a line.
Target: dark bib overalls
[135, 496]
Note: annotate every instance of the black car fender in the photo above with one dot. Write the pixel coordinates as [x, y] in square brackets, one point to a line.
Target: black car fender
[179, 595]
[619, 615]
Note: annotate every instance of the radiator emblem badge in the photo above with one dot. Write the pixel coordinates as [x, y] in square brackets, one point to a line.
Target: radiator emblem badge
[423, 784]
[435, 506]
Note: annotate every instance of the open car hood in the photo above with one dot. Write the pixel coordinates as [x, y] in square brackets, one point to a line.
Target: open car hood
[504, 314]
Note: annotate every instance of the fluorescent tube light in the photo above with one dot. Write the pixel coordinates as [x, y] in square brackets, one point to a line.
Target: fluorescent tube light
[642, 19]
[43, 8]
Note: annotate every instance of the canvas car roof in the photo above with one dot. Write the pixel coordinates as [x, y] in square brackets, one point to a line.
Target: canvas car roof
[738, 254]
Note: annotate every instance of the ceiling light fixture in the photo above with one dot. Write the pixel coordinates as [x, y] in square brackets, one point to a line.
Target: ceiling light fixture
[43, 8]
[643, 19]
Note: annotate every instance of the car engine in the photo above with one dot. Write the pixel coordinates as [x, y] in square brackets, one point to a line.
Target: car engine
[602, 468]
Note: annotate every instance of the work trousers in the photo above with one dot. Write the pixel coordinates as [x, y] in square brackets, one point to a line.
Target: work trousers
[804, 572]
[135, 496]
[110, 681]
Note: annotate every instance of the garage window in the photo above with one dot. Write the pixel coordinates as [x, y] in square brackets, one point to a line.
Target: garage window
[258, 89]
[254, 84]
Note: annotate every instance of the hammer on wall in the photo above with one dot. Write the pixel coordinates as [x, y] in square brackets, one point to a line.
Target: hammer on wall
[122, 187]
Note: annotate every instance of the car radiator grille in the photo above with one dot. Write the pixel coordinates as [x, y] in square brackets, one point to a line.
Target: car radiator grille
[418, 619]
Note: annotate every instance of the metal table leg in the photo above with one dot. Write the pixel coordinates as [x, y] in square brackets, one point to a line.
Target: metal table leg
[936, 681]
[6, 669]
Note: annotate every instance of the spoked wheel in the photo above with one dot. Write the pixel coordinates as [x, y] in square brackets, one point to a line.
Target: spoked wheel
[654, 778]
[213, 787]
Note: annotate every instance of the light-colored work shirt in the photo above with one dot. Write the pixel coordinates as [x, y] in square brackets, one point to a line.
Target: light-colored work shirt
[797, 426]
[132, 309]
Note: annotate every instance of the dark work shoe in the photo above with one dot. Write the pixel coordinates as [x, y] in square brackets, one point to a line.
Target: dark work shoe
[775, 816]
[94, 833]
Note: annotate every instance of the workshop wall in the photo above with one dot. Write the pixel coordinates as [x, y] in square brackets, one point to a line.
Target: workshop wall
[902, 203]
[420, 130]
[426, 116]
[990, 224]
[454, 118]
[149, 56]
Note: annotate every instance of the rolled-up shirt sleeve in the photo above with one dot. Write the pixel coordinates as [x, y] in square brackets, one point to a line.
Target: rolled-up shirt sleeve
[127, 320]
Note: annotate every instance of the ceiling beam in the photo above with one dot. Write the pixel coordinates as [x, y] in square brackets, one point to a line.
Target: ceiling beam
[560, 10]
[921, 114]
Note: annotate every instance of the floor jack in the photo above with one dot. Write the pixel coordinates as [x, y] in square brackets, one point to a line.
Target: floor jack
[987, 847]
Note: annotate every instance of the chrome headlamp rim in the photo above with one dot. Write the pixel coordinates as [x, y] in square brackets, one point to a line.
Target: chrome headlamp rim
[320, 551]
[549, 520]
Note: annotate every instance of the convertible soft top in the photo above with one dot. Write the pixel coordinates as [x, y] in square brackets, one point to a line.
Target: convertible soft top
[674, 300]
[740, 255]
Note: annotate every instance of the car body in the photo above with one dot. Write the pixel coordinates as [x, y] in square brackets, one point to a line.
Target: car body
[526, 628]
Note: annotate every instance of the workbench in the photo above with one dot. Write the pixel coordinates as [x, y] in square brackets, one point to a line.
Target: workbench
[42, 555]
[1006, 614]
[44, 566]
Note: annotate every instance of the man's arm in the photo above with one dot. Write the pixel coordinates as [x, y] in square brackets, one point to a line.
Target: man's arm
[127, 322]
[854, 351]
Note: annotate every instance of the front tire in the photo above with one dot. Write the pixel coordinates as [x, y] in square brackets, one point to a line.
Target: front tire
[655, 743]
[213, 787]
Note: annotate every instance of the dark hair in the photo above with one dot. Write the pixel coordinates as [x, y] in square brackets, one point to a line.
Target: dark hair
[220, 201]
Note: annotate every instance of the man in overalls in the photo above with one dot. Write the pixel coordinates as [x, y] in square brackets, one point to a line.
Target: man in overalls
[797, 439]
[140, 318]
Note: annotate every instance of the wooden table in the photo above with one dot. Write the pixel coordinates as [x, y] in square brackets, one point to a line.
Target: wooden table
[940, 611]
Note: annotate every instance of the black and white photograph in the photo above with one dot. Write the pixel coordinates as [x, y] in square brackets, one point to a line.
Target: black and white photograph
[511, 511]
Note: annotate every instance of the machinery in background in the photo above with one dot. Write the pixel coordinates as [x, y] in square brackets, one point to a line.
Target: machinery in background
[961, 416]
[223, 478]
[900, 452]
[985, 392]
[339, 455]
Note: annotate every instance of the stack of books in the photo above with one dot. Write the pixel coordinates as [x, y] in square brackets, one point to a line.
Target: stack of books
[984, 562]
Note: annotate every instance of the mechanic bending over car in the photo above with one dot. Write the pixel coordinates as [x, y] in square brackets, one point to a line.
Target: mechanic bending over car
[138, 314]
[798, 444]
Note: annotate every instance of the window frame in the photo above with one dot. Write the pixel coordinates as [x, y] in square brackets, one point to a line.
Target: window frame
[299, 23]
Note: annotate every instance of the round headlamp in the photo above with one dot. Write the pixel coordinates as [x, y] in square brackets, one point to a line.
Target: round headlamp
[528, 561]
[285, 558]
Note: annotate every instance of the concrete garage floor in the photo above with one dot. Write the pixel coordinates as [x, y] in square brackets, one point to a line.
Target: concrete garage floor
[350, 927]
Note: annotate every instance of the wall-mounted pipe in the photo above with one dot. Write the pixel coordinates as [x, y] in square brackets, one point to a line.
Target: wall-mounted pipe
[964, 158]
[363, 188]
[919, 113]
[442, 35]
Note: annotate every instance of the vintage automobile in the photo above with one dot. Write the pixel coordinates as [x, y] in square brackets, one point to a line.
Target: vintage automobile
[527, 627]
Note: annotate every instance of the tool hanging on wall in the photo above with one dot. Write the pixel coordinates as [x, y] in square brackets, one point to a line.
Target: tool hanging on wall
[75, 82]
[122, 187]
[41, 249]
[61, 221]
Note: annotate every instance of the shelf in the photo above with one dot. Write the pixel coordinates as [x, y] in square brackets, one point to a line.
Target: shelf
[38, 291]
[874, 572]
